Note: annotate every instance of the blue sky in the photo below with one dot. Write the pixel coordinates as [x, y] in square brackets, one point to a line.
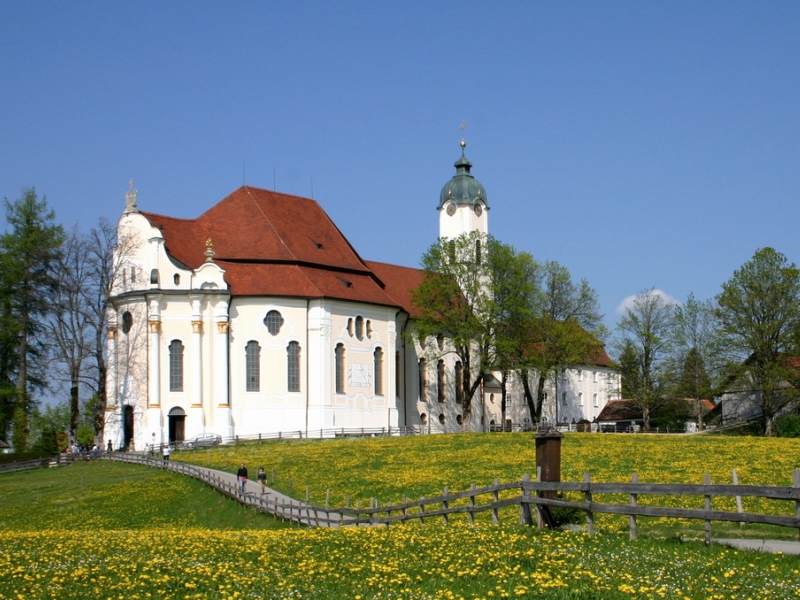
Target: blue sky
[639, 143]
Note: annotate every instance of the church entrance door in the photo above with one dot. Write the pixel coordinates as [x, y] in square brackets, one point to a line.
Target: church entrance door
[177, 424]
[127, 427]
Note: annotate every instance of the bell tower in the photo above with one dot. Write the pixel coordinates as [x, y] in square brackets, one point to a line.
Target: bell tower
[463, 206]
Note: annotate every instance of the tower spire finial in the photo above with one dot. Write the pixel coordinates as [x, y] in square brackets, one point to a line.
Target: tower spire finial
[130, 198]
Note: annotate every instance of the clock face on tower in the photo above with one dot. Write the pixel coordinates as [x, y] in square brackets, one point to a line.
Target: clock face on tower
[478, 210]
[451, 209]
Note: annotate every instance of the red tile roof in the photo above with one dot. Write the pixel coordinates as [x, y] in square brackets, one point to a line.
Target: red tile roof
[400, 283]
[273, 244]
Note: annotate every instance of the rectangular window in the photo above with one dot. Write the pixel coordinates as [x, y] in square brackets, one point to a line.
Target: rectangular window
[580, 374]
[175, 366]
[580, 398]
[594, 400]
[595, 376]
[564, 398]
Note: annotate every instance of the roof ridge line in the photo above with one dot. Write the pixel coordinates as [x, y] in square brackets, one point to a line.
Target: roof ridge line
[269, 222]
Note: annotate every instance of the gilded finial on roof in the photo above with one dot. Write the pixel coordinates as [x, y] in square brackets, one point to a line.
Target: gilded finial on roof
[130, 198]
[209, 250]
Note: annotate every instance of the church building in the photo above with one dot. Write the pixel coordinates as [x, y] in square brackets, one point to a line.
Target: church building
[259, 316]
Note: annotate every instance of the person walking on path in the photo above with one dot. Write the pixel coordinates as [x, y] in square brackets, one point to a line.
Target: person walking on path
[241, 475]
[262, 479]
[165, 454]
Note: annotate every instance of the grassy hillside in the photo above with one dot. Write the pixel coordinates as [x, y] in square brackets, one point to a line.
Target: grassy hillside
[100, 530]
[105, 495]
[389, 468]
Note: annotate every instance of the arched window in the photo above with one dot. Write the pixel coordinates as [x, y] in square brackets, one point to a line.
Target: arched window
[252, 366]
[477, 252]
[369, 328]
[127, 322]
[440, 342]
[451, 251]
[350, 326]
[459, 419]
[440, 380]
[441, 418]
[154, 276]
[339, 358]
[423, 380]
[175, 366]
[360, 328]
[176, 279]
[293, 366]
[459, 382]
[133, 274]
[423, 419]
[273, 321]
[378, 364]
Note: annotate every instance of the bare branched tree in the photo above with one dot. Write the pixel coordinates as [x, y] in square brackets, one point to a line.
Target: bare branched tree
[69, 322]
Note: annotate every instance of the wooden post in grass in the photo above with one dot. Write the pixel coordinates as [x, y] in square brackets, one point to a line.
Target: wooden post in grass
[524, 505]
[587, 494]
[472, 503]
[632, 532]
[707, 507]
[421, 510]
[405, 510]
[495, 509]
[373, 504]
[445, 505]
[796, 486]
[539, 520]
[739, 507]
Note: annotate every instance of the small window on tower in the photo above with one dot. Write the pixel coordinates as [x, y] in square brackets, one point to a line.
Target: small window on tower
[176, 279]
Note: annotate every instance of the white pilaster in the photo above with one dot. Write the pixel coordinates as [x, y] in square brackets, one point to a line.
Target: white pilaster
[221, 378]
[391, 371]
[154, 375]
[320, 355]
[196, 418]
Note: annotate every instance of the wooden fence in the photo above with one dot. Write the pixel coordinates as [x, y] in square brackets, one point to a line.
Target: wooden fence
[45, 462]
[533, 498]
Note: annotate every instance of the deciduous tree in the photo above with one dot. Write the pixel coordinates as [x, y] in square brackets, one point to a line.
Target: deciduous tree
[759, 315]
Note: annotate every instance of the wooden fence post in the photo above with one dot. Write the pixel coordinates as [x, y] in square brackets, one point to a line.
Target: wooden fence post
[796, 486]
[405, 509]
[445, 505]
[524, 505]
[539, 521]
[495, 509]
[421, 510]
[633, 533]
[472, 503]
[707, 506]
[373, 504]
[739, 507]
[587, 479]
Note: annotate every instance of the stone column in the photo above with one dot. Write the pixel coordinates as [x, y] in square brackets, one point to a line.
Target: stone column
[222, 412]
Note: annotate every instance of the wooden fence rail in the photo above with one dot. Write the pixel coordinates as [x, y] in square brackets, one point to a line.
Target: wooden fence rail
[533, 496]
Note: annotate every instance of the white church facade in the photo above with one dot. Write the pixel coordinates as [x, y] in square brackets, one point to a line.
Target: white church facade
[260, 317]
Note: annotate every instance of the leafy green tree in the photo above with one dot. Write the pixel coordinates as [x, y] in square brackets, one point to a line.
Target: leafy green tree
[562, 331]
[629, 369]
[759, 315]
[646, 325]
[697, 351]
[474, 293]
[30, 248]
